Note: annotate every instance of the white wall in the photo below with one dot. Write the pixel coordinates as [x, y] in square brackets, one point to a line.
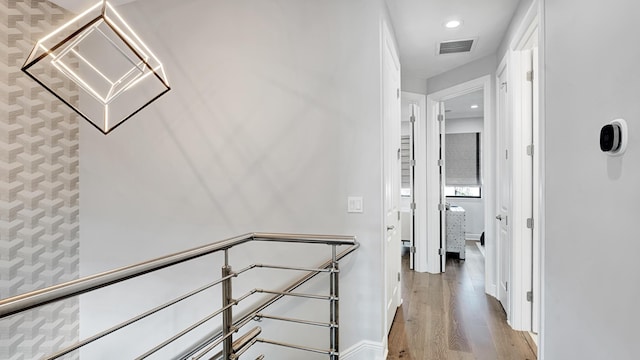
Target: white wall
[473, 70]
[464, 125]
[273, 120]
[514, 25]
[474, 208]
[591, 282]
[413, 84]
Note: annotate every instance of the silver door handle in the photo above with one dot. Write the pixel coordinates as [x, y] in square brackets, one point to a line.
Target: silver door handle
[390, 227]
[499, 217]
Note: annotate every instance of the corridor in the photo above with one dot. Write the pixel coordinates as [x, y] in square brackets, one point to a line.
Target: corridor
[448, 316]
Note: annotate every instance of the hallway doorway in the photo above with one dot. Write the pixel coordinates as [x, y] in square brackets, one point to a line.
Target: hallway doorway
[460, 322]
[433, 205]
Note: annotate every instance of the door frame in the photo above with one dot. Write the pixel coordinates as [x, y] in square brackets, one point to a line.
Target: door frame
[527, 256]
[420, 256]
[428, 184]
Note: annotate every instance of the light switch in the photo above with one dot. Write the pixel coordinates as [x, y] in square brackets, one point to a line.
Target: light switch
[354, 204]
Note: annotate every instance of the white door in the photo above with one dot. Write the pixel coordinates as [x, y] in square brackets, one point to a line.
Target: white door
[526, 172]
[443, 179]
[392, 165]
[504, 190]
[412, 165]
[535, 304]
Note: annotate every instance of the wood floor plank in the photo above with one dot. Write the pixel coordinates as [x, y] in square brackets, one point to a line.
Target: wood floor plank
[448, 316]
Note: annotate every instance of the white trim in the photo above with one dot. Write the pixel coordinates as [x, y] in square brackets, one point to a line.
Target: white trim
[472, 237]
[428, 185]
[421, 259]
[521, 201]
[541, 165]
[526, 26]
[365, 350]
[491, 289]
[528, 36]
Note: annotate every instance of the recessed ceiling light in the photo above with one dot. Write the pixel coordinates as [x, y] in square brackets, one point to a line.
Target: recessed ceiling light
[452, 24]
[474, 106]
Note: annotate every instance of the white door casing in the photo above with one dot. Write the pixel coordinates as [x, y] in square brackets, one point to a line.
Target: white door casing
[525, 176]
[415, 113]
[428, 182]
[443, 181]
[391, 169]
[418, 194]
[536, 286]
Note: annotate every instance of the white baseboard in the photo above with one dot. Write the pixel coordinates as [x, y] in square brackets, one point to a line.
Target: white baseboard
[474, 237]
[365, 350]
[492, 290]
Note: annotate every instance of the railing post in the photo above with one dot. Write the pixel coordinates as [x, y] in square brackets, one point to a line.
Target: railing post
[334, 330]
[227, 315]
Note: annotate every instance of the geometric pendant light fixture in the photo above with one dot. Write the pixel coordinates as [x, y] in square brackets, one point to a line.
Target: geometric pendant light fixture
[114, 72]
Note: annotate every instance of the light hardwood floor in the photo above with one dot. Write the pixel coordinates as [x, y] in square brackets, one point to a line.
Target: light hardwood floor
[448, 316]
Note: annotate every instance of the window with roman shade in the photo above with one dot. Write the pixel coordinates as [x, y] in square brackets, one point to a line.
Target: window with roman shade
[405, 155]
[462, 159]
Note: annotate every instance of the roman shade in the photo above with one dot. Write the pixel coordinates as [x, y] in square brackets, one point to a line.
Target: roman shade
[462, 159]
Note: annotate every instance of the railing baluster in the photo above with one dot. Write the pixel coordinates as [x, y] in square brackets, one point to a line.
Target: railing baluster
[227, 315]
[225, 335]
[334, 331]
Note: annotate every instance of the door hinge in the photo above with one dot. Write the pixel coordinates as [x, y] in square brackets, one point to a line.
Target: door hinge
[506, 286]
[530, 150]
[530, 223]
[504, 86]
[413, 206]
[440, 117]
[441, 207]
[398, 277]
[398, 93]
[530, 296]
[413, 249]
[530, 75]
[412, 162]
[441, 252]
[399, 154]
[412, 118]
[506, 154]
[398, 215]
[440, 162]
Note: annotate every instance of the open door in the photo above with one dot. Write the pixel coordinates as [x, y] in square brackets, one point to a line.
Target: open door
[442, 206]
[535, 298]
[412, 166]
[504, 190]
[391, 172]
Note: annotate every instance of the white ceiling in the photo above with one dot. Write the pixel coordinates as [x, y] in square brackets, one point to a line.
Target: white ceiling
[419, 27]
[460, 106]
[78, 6]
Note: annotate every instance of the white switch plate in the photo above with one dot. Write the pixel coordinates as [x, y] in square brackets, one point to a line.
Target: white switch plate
[354, 204]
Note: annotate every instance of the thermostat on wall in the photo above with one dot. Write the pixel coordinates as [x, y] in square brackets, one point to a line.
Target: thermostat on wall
[614, 137]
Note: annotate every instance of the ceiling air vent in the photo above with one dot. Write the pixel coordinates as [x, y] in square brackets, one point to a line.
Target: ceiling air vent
[455, 46]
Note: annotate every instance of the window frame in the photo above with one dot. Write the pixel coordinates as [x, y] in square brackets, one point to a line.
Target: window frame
[464, 196]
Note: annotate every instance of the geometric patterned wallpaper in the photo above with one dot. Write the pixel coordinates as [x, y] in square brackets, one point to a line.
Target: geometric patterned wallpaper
[39, 212]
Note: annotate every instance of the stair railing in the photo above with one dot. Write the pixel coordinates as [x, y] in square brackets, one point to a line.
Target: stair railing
[231, 349]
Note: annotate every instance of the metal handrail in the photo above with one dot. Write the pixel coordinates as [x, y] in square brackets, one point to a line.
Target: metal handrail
[250, 314]
[69, 289]
[86, 284]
